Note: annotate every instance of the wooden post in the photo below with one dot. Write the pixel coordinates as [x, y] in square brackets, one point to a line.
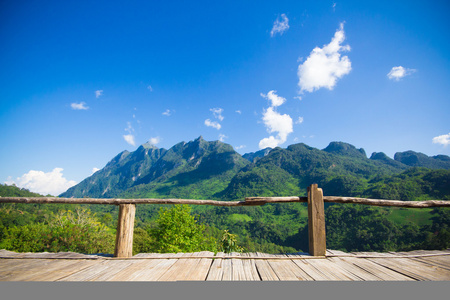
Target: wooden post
[125, 227]
[316, 221]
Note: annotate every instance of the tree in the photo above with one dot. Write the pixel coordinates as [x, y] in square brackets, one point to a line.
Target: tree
[178, 231]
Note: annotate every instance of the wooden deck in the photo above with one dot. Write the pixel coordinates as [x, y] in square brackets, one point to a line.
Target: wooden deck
[205, 266]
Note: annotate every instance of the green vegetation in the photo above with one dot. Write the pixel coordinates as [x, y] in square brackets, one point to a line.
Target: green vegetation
[177, 231]
[213, 170]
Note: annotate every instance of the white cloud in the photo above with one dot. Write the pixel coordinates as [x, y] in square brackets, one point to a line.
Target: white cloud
[299, 121]
[238, 111]
[79, 106]
[274, 98]
[324, 66]
[217, 112]
[150, 88]
[280, 26]
[399, 72]
[98, 93]
[222, 137]
[167, 112]
[240, 147]
[95, 170]
[52, 183]
[275, 122]
[213, 124]
[129, 138]
[298, 97]
[155, 140]
[442, 139]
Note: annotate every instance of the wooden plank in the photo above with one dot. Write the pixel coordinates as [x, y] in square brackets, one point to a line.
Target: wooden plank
[62, 269]
[7, 264]
[96, 271]
[227, 268]
[284, 269]
[333, 270]
[125, 227]
[377, 270]
[311, 270]
[413, 269]
[238, 273]
[251, 273]
[200, 269]
[316, 221]
[358, 272]
[179, 270]
[216, 271]
[21, 268]
[154, 271]
[114, 267]
[439, 261]
[135, 270]
[265, 271]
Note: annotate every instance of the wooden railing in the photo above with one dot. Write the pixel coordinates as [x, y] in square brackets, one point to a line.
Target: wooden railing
[315, 200]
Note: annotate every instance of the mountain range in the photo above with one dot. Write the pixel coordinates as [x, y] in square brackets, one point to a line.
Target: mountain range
[203, 169]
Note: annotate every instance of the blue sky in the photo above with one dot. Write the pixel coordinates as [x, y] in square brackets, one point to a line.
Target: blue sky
[81, 81]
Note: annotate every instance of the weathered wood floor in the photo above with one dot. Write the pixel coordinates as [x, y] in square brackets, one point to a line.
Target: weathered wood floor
[362, 266]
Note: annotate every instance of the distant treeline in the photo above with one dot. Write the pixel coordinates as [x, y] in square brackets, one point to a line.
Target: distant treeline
[272, 228]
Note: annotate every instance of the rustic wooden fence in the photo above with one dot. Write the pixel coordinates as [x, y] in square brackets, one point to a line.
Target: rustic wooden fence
[315, 200]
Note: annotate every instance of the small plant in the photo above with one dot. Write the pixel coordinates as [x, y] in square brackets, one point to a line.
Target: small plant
[228, 243]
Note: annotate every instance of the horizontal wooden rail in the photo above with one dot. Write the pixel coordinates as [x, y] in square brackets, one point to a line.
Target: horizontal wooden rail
[249, 201]
[123, 201]
[315, 200]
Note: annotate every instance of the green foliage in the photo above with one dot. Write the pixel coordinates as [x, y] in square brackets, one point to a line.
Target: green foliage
[228, 243]
[142, 241]
[177, 231]
[76, 231]
[14, 191]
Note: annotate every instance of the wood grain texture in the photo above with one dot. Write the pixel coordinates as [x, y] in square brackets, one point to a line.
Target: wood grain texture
[125, 227]
[316, 221]
[199, 266]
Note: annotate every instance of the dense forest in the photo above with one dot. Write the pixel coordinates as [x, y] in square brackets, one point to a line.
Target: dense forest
[213, 170]
[272, 228]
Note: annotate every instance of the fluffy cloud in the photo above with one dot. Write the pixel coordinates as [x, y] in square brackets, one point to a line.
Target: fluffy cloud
[274, 98]
[213, 124]
[280, 26]
[217, 112]
[155, 140]
[442, 139]
[79, 106]
[222, 137]
[95, 170]
[167, 112]
[52, 183]
[276, 122]
[399, 72]
[324, 66]
[98, 93]
[129, 138]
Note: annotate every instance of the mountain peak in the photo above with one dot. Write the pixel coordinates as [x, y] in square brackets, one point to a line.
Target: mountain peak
[346, 149]
[149, 145]
[417, 159]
